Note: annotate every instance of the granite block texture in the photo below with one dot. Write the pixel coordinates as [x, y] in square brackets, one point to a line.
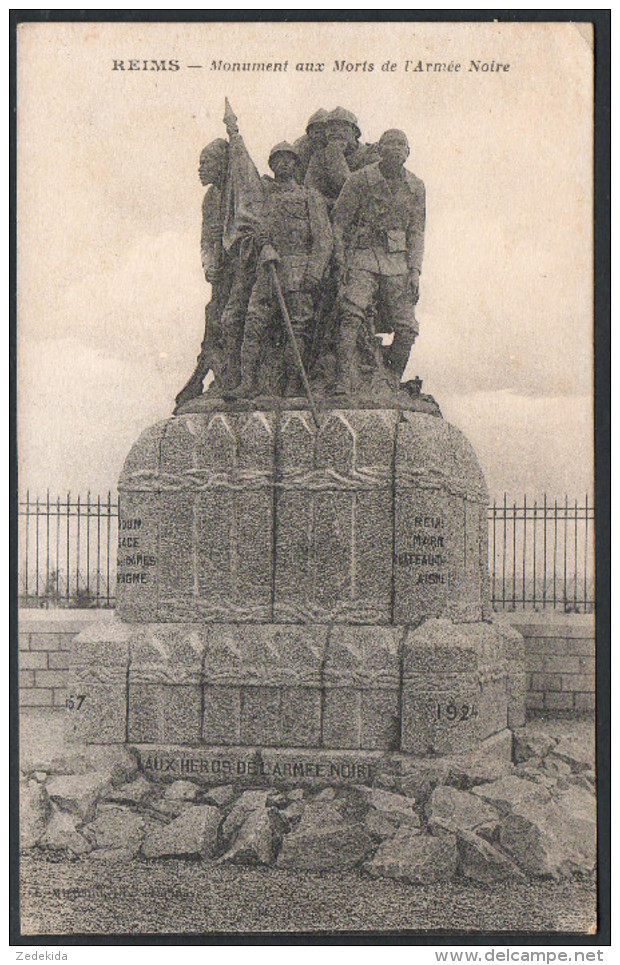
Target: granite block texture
[454, 687]
[361, 688]
[373, 517]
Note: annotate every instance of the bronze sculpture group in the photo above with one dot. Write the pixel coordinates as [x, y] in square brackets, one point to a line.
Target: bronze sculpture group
[314, 271]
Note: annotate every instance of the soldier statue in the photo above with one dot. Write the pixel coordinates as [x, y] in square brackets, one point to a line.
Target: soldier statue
[313, 140]
[378, 223]
[295, 234]
[330, 165]
[215, 265]
[285, 318]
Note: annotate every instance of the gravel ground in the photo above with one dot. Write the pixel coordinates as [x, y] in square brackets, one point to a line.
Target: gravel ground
[192, 898]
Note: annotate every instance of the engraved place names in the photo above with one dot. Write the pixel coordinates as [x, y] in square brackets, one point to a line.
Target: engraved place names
[133, 563]
[426, 555]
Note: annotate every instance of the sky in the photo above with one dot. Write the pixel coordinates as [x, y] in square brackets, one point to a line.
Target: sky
[111, 293]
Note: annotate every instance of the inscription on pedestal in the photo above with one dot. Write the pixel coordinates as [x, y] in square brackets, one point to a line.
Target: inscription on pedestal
[253, 767]
[427, 559]
[133, 563]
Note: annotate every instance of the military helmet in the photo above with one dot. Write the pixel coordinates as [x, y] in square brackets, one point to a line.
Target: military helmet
[341, 114]
[283, 147]
[319, 117]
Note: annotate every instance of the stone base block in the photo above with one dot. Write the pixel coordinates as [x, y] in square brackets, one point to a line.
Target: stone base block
[361, 681]
[454, 687]
[262, 685]
[439, 689]
[97, 684]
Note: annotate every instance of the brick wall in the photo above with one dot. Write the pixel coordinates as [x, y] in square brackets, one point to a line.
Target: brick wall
[559, 661]
[44, 644]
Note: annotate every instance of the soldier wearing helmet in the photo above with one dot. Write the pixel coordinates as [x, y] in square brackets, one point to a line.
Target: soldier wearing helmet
[378, 223]
[330, 166]
[296, 224]
[313, 140]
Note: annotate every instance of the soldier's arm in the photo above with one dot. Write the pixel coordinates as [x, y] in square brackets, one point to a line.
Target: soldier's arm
[211, 234]
[415, 231]
[336, 167]
[344, 214]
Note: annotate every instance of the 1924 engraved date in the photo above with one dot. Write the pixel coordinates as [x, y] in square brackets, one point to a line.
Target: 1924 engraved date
[453, 710]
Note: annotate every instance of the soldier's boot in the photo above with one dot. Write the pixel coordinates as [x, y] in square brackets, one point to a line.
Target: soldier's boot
[191, 390]
[250, 358]
[397, 354]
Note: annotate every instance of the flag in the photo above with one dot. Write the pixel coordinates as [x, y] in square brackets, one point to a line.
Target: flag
[243, 193]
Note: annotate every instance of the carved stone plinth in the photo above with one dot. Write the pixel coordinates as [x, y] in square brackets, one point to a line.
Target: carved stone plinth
[440, 688]
[378, 516]
[283, 585]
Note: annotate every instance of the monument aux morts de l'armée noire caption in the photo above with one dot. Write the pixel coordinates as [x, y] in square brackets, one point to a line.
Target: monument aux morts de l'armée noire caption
[302, 578]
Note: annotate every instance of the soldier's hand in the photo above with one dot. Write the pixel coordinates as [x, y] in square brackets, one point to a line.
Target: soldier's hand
[414, 284]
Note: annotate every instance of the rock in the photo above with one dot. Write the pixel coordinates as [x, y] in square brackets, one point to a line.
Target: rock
[390, 803]
[118, 828]
[382, 824]
[556, 838]
[510, 791]
[388, 812]
[452, 810]
[34, 811]
[164, 810]
[220, 795]
[194, 832]
[420, 778]
[257, 840]
[532, 770]
[135, 792]
[530, 742]
[181, 791]
[121, 762]
[62, 834]
[466, 774]
[327, 794]
[578, 749]
[292, 814]
[415, 858]
[79, 793]
[582, 780]
[249, 801]
[323, 840]
[480, 861]
[556, 767]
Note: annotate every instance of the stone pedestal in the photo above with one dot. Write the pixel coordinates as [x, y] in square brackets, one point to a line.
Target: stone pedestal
[374, 517]
[288, 586]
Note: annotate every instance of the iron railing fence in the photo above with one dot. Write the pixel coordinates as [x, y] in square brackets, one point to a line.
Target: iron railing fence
[67, 550]
[541, 553]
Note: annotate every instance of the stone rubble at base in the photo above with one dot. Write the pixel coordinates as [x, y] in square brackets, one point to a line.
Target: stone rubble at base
[484, 828]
